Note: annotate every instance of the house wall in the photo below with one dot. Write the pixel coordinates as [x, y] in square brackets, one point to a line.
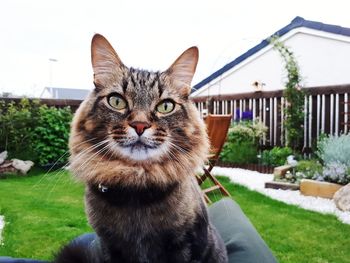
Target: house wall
[323, 59]
[46, 94]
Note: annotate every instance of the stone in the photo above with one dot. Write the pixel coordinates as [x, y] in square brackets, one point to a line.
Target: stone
[342, 198]
[3, 156]
[280, 171]
[22, 166]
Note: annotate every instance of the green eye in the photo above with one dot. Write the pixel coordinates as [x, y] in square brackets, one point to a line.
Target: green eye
[165, 106]
[117, 102]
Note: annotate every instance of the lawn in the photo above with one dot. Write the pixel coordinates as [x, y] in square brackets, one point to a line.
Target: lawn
[45, 211]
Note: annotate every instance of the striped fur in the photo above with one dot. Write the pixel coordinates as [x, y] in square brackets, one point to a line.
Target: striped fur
[153, 210]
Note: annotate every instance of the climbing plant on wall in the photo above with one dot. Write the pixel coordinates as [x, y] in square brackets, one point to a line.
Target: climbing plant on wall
[294, 95]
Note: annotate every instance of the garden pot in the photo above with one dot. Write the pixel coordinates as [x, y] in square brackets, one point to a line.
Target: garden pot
[318, 189]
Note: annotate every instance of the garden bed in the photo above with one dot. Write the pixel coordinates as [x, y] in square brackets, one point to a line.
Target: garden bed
[318, 189]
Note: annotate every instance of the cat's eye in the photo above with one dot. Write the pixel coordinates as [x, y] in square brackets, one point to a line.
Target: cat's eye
[117, 102]
[165, 106]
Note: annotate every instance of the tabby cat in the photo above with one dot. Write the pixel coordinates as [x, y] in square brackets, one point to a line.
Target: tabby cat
[136, 142]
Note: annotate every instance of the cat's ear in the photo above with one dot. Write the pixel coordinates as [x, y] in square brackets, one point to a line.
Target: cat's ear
[105, 62]
[182, 70]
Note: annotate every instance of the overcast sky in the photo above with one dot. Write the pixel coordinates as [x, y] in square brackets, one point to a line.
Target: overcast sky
[146, 34]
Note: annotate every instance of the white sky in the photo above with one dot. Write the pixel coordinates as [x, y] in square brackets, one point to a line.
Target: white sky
[146, 34]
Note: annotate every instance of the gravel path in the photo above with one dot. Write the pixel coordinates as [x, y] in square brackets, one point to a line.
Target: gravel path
[256, 181]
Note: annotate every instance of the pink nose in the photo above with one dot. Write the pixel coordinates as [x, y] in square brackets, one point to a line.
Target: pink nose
[139, 126]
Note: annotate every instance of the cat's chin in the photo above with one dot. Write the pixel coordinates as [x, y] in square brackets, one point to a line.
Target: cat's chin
[142, 152]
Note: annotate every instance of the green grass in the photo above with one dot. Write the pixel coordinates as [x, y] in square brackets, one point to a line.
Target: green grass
[293, 234]
[44, 212]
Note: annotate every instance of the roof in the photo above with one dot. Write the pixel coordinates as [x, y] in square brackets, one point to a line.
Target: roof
[296, 22]
[65, 93]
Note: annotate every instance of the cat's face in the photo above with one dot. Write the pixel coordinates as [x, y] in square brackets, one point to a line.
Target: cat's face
[138, 115]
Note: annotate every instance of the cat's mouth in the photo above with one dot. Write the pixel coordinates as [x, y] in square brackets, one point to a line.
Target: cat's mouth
[142, 150]
[139, 145]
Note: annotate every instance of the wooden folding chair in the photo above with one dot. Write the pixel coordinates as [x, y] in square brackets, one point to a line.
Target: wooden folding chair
[217, 128]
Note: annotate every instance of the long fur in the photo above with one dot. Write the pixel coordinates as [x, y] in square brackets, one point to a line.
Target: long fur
[151, 208]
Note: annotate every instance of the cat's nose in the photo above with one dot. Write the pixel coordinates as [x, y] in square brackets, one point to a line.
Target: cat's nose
[140, 126]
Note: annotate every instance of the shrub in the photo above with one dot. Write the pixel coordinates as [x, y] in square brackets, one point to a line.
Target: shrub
[241, 152]
[309, 168]
[29, 131]
[247, 131]
[51, 134]
[293, 177]
[334, 149]
[335, 172]
[242, 143]
[276, 157]
[18, 121]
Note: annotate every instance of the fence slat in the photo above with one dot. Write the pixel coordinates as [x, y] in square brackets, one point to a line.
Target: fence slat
[282, 121]
[254, 109]
[271, 123]
[318, 116]
[336, 130]
[306, 110]
[331, 113]
[264, 119]
[346, 112]
[323, 113]
[310, 121]
[275, 121]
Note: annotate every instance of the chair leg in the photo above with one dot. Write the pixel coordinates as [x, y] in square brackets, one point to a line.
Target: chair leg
[207, 199]
[215, 181]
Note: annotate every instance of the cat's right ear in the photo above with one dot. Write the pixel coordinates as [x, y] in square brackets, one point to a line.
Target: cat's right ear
[105, 62]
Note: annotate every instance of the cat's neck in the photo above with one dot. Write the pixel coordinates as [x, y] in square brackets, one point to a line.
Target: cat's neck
[133, 195]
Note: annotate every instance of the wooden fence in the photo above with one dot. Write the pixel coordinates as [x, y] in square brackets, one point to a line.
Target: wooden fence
[326, 110]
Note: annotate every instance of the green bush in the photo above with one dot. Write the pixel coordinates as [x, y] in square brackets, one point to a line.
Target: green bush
[276, 157]
[51, 134]
[30, 131]
[18, 121]
[309, 168]
[243, 152]
[241, 146]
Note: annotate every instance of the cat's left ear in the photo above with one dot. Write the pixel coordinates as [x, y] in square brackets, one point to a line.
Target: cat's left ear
[105, 61]
[182, 70]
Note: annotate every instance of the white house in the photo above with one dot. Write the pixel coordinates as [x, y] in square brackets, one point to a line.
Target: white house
[321, 50]
[64, 93]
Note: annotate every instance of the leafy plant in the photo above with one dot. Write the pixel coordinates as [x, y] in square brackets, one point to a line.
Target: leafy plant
[35, 132]
[309, 168]
[276, 157]
[51, 134]
[247, 131]
[294, 111]
[293, 177]
[17, 124]
[242, 143]
[334, 149]
[240, 152]
[335, 172]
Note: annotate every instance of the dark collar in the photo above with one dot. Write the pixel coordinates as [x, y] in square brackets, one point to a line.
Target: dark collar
[119, 195]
